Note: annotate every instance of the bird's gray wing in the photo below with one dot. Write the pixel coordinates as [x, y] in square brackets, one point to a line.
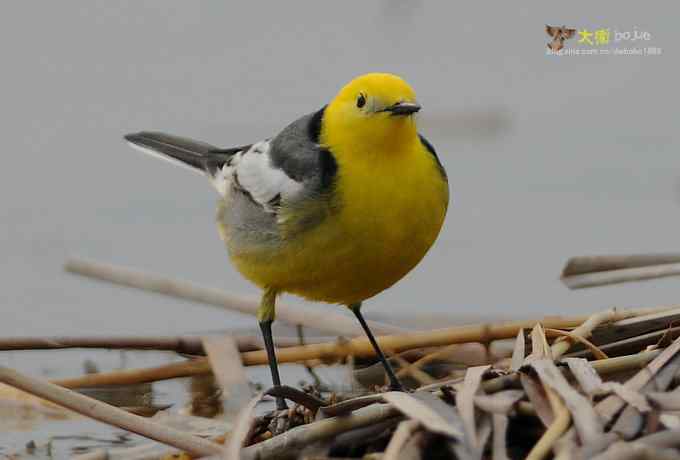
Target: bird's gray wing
[276, 186]
[284, 171]
[289, 177]
[193, 155]
[297, 151]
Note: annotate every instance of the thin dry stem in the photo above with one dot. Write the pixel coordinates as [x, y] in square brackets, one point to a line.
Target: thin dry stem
[322, 319]
[556, 429]
[288, 444]
[624, 275]
[560, 347]
[108, 414]
[597, 353]
[201, 366]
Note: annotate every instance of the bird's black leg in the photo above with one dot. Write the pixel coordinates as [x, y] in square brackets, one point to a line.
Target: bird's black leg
[395, 385]
[265, 316]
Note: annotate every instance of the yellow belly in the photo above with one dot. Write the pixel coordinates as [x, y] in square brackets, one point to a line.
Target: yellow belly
[387, 219]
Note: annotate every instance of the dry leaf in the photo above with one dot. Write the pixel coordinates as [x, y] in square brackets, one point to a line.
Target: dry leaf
[583, 414]
[434, 414]
[585, 375]
[500, 402]
[518, 352]
[465, 402]
[536, 394]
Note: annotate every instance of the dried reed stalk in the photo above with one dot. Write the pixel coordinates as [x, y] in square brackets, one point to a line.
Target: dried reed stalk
[561, 346]
[592, 271]
[321, 319]
[288, 444]
[332, 351]
[108, 414]
[181, 344]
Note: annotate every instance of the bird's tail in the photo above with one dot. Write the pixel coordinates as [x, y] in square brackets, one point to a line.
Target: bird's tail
[192, 154]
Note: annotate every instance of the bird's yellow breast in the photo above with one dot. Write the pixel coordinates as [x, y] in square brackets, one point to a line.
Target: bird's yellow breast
[388, 213]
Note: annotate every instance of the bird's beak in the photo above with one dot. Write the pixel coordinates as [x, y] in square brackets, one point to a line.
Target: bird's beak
[402, 108]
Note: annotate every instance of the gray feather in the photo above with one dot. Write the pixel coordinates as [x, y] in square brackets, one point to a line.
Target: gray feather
[296, 150]
[195, 155]
[271, 189]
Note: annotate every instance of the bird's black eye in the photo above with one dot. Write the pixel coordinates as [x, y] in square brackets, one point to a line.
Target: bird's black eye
[361, 101]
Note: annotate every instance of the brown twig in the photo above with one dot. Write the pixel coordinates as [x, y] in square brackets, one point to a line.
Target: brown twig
[181, 344]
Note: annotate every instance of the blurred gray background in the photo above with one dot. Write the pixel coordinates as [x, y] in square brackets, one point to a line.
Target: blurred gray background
[548, 157]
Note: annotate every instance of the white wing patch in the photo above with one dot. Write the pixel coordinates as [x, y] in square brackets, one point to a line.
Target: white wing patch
[252, 172]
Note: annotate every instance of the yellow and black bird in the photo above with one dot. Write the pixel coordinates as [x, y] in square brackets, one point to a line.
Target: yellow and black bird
[337, 207]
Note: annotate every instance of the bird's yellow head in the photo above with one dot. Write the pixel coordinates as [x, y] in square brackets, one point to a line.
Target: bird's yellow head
[373, 110]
